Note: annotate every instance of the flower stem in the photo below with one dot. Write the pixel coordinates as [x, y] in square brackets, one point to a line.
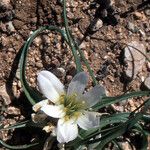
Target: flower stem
[87, 65]
[70, 40]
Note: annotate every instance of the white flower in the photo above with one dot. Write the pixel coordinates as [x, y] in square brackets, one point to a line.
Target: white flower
[69, 107]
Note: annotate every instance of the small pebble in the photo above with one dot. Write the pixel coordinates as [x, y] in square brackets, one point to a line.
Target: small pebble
[147, 11]
[4, 94]
[59, 72]
[13, 111]
[5, 2]
[58, 46]
[131, 27]
[139, 16]
[97, 24]
[34, 20]
[82, 45]
[11, 50]
[147, 82]
[142, 33]
[4, 41]
[68, 78]
[37, 41]
[10, 27]
[32, 80]
[39, 64]
[47, 39]
[14, 83]
[19, 84]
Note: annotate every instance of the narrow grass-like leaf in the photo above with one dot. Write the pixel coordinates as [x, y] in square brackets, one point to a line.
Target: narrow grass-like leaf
[30, 93]
[17, 125]
[147, 132]
[90, 132]
[146, 118]
[117, 145]
[120, 130]
[70, 40]
[33, 96]
[85, 62]
[114, 118]
[18, 147]
[110, 133]
[105, 120]
[105, 101]
[144, 138]
[28, 123]
[85, 136]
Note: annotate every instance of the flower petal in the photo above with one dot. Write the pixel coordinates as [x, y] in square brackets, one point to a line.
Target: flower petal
[53, 111]
[38, 105]
[54, 81]
[47, 88]
[66, 130]
[88, 120]
[78, 84]
[94, 95]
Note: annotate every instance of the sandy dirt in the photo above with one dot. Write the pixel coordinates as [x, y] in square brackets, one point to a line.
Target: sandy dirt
[102, 31]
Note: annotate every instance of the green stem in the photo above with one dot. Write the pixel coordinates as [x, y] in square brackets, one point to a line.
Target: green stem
[70, 40]
[74, 46]
[87, 65]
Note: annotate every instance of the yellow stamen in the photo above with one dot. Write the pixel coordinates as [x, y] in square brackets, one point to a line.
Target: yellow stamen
[72, 106]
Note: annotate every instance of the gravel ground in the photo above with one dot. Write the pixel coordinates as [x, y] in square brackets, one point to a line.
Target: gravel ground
[103, 29]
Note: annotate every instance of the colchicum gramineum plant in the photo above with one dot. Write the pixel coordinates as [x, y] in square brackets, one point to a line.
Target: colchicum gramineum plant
[71, 107]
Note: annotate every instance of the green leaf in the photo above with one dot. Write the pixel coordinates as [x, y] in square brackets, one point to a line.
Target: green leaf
[19, 147]
[114, 118]
[28, 123]
[118, 131]
[85, 136]
[105, 101]
[109, 133]
[144, 138]
[17, 125]
[117, 145]
[91, 72]
[70, 40]
[104, 121]
[32, 95]
[146, 118]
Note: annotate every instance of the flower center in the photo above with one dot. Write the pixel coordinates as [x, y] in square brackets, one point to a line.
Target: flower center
[72, 106]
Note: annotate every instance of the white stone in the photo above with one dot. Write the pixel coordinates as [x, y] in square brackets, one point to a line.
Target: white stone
[97, 24]
[147, 82]
[134, 57]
